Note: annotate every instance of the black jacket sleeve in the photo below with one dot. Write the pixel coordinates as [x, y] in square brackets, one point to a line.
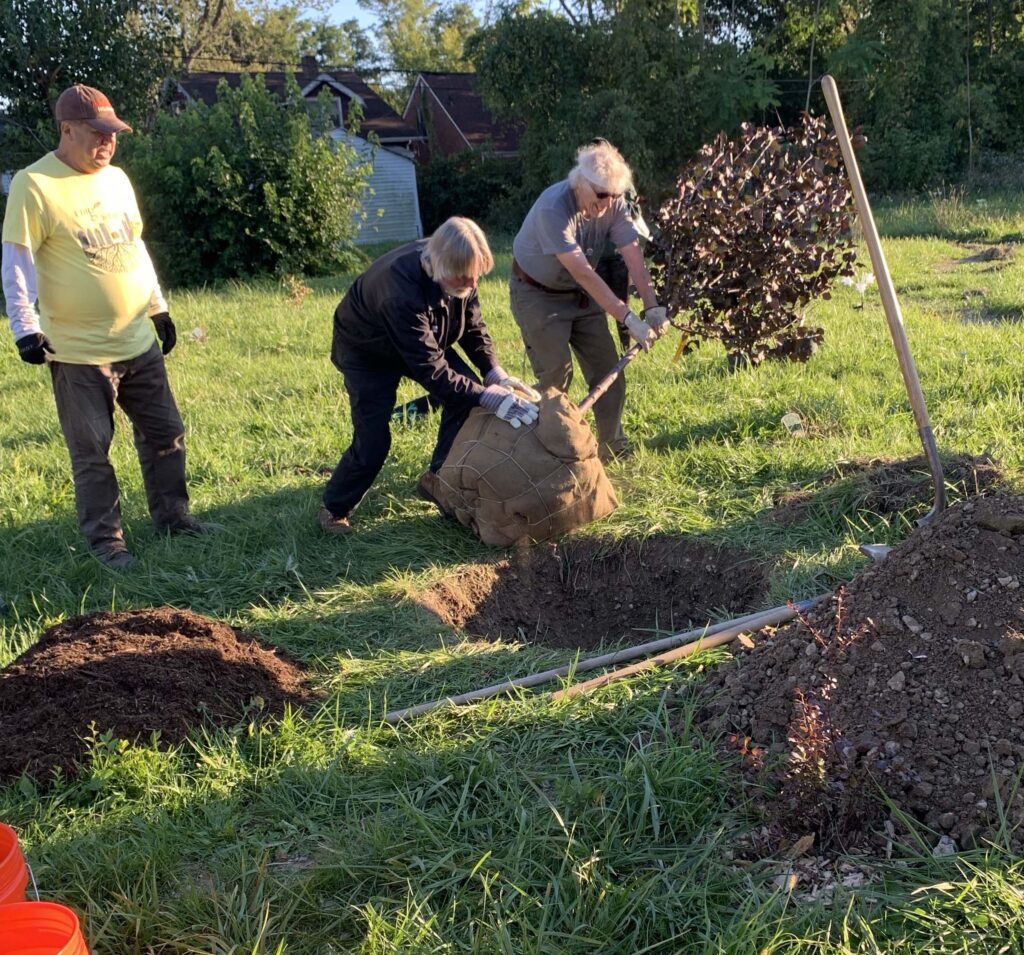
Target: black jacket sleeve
[476, 340]
[410, 334]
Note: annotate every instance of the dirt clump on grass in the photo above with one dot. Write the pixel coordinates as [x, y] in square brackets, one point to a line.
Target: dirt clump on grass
[133, 674]
[884, 486]
[585, 592]
[907, 682]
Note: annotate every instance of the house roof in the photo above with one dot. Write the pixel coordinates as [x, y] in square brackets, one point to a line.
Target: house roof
[458, 95]
[378, 117]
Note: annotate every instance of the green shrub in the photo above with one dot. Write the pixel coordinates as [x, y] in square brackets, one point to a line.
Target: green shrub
[466, 184]
[246, 187]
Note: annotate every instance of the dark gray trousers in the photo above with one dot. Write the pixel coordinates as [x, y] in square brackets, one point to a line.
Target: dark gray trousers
[85, 396]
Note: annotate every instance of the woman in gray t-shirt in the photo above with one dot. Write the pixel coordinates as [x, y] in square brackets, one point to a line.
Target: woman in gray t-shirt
[559, 302]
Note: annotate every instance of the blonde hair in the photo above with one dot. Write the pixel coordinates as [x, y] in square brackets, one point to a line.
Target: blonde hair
[457, 247]
[601, 165]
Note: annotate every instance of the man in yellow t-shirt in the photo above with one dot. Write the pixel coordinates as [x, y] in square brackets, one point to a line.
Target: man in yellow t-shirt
[72, 239]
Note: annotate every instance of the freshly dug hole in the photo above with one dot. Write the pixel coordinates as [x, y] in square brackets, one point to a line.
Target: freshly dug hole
[586, 592]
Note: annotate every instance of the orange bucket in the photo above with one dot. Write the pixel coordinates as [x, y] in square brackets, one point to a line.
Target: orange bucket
[13, 871]
[40, 928]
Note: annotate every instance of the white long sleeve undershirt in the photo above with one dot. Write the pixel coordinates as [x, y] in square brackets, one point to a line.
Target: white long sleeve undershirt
[18, 272]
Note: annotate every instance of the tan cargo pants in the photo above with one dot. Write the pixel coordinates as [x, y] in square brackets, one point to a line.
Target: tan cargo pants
[556, 326]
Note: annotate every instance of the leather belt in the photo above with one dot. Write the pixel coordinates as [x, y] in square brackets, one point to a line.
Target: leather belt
[517, 271]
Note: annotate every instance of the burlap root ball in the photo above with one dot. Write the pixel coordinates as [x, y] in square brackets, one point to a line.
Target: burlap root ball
[515, 486]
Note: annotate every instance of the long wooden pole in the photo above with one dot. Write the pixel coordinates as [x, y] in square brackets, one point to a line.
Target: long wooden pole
[773, 618]
[891, 305]
[746, 624]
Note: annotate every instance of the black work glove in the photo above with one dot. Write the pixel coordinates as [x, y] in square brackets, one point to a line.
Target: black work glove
[165, 331]
[33, 348]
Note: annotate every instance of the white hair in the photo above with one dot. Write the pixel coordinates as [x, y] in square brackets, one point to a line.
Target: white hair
[601, 165]
[457, 247]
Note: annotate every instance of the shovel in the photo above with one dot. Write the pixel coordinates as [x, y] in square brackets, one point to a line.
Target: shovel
[605, 383]
[893, 314]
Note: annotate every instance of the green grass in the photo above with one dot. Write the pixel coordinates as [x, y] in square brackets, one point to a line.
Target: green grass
[597, 825]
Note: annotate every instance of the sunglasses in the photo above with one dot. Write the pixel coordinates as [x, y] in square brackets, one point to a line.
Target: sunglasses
[601, 194]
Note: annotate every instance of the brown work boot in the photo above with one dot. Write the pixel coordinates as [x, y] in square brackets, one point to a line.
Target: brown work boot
[427, 488]
[115, 558]
[609, 455]
[187, 524]
[329, 524]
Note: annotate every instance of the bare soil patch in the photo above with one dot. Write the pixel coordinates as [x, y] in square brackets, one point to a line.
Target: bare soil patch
[910, 681]
[585, 592]
[134, 674]
[988, 253]
[884, 486]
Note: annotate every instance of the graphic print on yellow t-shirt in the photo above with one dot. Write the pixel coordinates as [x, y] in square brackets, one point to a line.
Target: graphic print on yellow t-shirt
[95, 278]
[108, 241]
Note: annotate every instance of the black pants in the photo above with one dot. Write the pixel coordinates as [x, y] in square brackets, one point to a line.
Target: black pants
[85, 396]
[371, 393]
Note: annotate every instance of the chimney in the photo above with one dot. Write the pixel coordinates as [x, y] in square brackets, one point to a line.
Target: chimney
[308, 66]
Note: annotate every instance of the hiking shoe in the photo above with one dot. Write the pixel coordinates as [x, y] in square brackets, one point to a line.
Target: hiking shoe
[330, 524]
[610, 455]
[427, 488]
[116, 558]
[187, 524]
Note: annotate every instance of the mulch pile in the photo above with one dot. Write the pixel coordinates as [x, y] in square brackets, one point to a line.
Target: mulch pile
[910, 679]
[518, 486]
[136, 673]
[582, 593]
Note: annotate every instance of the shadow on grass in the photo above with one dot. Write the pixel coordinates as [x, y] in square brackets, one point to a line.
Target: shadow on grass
[577, 828]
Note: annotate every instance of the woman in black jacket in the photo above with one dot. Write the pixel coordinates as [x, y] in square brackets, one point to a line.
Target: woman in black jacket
[402, 318]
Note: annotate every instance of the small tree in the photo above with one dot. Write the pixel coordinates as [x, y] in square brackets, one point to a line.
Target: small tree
[760, 226]
[246, 186]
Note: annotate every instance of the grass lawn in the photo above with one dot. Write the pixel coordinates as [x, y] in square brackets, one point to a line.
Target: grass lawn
[602, 824]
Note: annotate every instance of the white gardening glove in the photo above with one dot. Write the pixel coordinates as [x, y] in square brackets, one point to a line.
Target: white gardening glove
[520, 386]
[508, 406]
[657, 317]
[498, 376]
[640, 331]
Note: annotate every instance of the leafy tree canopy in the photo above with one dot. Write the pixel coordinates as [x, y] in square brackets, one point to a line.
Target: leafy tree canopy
[223, 34]
[124, 47]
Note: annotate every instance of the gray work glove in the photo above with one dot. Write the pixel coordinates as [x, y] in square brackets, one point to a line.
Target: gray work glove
[508, 406]
[640, 331]
[657, 317]
[33, 348]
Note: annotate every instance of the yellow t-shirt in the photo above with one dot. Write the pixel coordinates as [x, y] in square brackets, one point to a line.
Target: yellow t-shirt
[94, 276]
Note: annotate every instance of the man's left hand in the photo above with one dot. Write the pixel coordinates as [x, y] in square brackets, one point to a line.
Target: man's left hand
[657, 317]
[165, 331]
[520, 386]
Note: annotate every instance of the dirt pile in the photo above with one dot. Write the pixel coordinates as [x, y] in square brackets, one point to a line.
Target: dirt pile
[585, 592]
[912, 678]
[134, 674]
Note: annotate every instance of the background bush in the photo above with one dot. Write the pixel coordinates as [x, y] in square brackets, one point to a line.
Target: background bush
[245, 187]
[468, 184]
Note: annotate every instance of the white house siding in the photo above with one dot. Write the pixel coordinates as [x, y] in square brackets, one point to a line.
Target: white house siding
[391, 208]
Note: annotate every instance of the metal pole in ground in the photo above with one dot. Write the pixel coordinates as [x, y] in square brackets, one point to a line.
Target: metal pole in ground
[891, 305]
[746, 624]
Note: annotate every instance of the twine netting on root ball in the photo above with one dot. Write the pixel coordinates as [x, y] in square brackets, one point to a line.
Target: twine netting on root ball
[524, 485]
[760, 226]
